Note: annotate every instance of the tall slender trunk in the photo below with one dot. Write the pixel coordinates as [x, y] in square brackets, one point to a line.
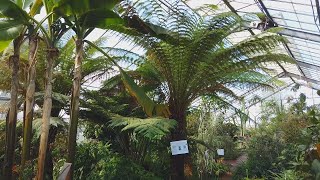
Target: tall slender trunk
[29, 104]
[12, 115]
[52, 54]
[178, 161]
[74, 114]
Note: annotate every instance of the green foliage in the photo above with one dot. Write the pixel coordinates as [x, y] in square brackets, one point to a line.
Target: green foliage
[288, 175]
[11, 24]
[316, 168]
[263, 151]
[9, 29]
[137, 92]
[206, 135]
[226, 129]
[87, 14]
[23, 3]
[54, 121]
[151, 128]
[11, 10]
[95, 160]
[144, 142]
[285, 147]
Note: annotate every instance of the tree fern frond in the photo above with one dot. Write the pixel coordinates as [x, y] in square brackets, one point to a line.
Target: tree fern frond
[152, 129]
[54, 121]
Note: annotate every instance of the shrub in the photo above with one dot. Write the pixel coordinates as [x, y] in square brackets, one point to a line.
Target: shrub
[288, 175]
[263, 151]
[95, 160]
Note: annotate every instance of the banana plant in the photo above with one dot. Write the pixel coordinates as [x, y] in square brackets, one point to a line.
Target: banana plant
[13, 26]
[51, 36]
[83, 17]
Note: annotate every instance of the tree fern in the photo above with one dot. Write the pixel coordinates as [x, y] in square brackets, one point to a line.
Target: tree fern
[196, 58]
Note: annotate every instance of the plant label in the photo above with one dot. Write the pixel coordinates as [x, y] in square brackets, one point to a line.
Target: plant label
[220, 152]
[179, 147]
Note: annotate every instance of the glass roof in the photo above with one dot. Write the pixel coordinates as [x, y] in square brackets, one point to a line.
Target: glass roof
[299, 20]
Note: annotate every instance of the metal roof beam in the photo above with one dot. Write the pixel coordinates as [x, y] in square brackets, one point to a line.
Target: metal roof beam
[308, 65]
[265, 10]
[299, 34]
[226, 2]
[318, 9]
[288, 74]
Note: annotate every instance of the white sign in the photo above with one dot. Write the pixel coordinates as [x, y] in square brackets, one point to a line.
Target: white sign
[220, 152]
[179, 147]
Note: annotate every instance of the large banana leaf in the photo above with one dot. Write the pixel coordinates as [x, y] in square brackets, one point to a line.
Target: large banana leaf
[101, 18]
[23, 3]
[149, 107]
[90, 13]
[78, 8]
[134, 90]
[11, 10]
[9, 29]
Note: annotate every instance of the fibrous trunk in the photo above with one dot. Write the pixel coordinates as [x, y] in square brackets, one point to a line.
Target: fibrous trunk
[47, 105]
[12, 115]
[29, 103]
[178, 161]
[74, 113]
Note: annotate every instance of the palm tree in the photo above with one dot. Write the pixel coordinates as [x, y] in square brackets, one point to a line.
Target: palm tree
[200, 62]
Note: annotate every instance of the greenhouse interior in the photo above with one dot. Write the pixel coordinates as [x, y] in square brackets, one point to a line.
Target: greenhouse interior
[160, 89]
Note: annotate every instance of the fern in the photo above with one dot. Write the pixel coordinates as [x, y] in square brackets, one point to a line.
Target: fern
[200, 61]
[152, 128]
[54, 121]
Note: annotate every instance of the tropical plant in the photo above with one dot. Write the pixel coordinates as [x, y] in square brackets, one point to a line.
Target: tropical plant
[141, 140]
[95, 160]
[83, 17]
[199, 62]
[15, 23]
[51, 38]
[286, 146]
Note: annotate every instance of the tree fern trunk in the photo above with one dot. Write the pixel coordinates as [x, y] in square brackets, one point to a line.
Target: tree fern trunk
[74, 114]
[27, 130]
[178, 161]
[47, 105]
[53, 131]
[12, 115]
